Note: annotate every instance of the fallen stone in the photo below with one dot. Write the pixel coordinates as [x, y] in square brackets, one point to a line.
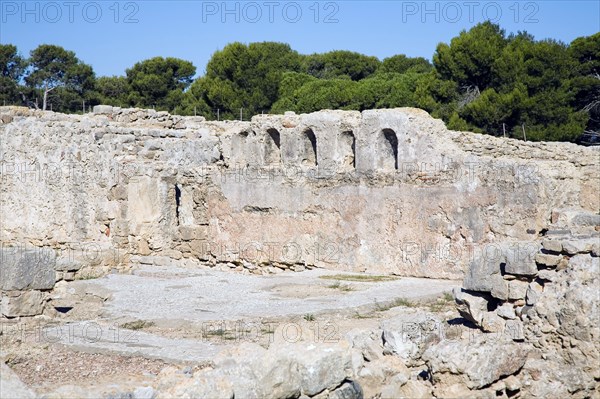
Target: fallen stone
[407, 335]
[471, 307]
[589, 265]
[483, 360]
[368, 343]
[515, 330]
[144, 393]
[388, 368]
[457, 390]
[547, 275]
[358, 361]
[255, 372]
[573, 247]
[202, 385]
[491, 322]
[348, 390]
[319, 366]
[512, 383]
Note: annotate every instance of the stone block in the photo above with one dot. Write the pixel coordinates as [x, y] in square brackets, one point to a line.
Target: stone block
[482, 272]
[491, 322]
[552, 245]
[471, 307]
[517, 289]
[26, 303]
[189, 233]
[507, 311]
[520, 258]
[22, 269]
[68, 265]
[534, 290]
[547, 260]
[573, 247]
[515, 330]
[499, 288]
[103, 109]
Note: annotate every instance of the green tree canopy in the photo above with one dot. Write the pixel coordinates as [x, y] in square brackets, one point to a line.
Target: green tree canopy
[113, 90]
[585, 52]
[340, 64]
[469, 59]
[12, 68]
[159, 82]
[402, 64]
[512, 82]
[243, 76]
[53, 67]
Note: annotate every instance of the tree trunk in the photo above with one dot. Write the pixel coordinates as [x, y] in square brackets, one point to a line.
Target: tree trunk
[46, 91]
[45, 97]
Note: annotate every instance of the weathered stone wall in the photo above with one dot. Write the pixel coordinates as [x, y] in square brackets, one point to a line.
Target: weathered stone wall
[379, 191]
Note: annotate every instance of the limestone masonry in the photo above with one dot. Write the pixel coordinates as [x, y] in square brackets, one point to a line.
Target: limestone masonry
[385, 191]
[165, 198]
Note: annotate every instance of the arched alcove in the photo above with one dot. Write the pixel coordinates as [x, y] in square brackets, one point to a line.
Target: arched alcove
[389, 149]
[309, 148]
[272, 147]
[239, 150]
[347, 148]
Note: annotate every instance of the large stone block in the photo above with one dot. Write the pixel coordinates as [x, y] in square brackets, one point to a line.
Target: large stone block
[22, 269]
[471, 307]
[26, 303]
[575, 217]
[520, 258]
[484, 270]
[103, 109]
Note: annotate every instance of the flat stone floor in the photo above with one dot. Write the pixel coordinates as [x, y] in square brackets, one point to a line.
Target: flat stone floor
[179, 303]
[166, 293]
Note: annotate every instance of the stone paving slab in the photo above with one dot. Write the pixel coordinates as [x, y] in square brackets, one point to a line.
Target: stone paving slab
[97, 337]
[165, 293]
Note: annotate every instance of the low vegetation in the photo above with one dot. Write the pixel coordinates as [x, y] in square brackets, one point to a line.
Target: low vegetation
[382, 307]
[363, 278]
[137, 325]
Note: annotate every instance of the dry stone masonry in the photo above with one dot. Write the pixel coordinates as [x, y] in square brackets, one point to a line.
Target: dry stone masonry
[381, 191]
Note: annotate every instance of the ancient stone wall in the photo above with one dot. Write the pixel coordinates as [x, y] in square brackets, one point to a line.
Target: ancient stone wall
[386, 191]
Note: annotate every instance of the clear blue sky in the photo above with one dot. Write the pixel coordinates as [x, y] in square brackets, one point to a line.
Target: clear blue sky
[113, 35]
